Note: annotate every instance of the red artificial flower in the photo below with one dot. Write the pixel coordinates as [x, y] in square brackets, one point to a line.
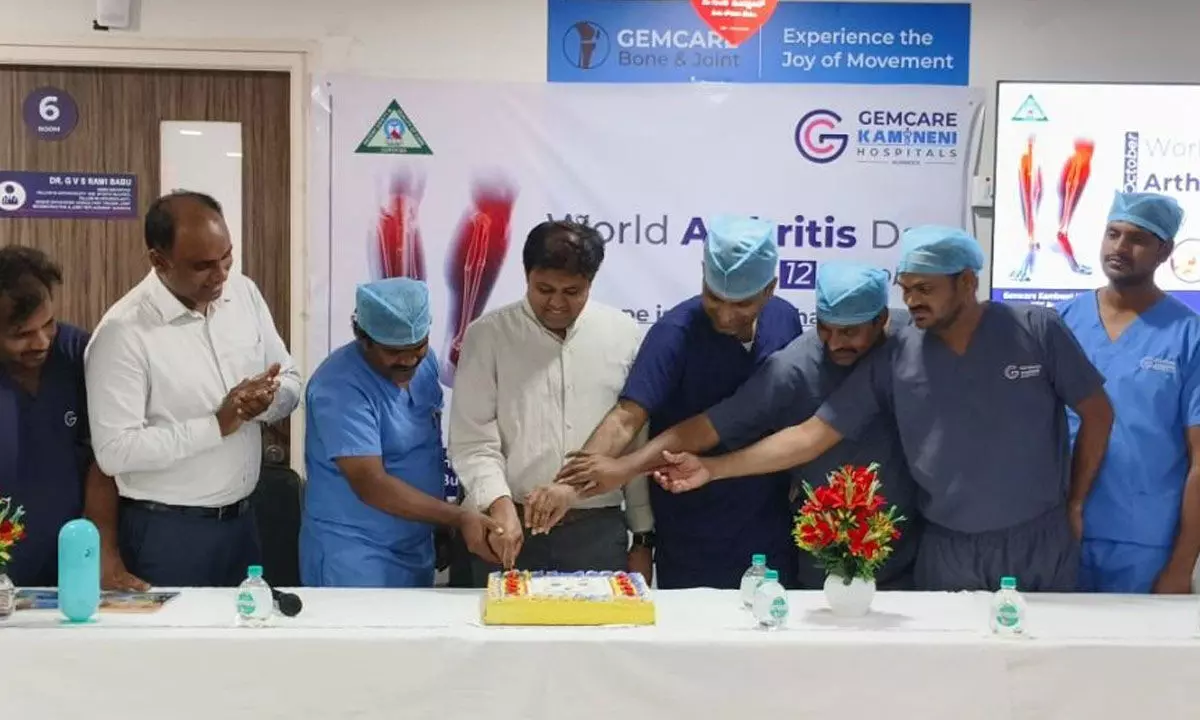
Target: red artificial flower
[829, 498]
[860, 545]
[846, 524]
[818, 534]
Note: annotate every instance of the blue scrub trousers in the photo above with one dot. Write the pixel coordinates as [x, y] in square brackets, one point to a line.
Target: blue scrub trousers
[333, 559]
[1115, 567]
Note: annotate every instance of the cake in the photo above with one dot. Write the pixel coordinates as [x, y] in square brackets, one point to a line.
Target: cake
[519, 597]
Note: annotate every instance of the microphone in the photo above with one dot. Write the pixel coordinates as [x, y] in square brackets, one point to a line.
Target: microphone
[288, 603]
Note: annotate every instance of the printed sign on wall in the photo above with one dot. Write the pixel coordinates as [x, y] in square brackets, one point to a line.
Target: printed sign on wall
[67, 195]
[870, 161]
[666, 41]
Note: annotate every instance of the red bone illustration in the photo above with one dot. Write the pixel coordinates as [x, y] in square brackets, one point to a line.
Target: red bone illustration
[1070, 188]
[401, 253]
[473, 264]
[1029, 185]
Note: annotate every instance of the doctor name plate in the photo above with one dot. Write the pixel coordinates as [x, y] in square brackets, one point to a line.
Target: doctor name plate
[520, 597]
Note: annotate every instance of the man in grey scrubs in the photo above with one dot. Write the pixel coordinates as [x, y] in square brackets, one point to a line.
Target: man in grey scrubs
[852, 318]
[978, 392]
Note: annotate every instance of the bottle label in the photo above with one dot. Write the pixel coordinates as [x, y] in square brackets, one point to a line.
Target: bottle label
[1008, 616]
[779, 608]
[245, 603]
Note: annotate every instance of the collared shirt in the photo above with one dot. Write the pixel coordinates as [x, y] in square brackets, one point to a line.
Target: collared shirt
[524, 397]
[158, 372]
[45, 455]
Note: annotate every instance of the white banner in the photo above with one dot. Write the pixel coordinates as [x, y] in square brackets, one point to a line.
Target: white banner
[443, 181]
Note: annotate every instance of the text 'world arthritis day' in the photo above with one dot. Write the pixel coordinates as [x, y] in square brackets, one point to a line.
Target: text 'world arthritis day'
[812, 40]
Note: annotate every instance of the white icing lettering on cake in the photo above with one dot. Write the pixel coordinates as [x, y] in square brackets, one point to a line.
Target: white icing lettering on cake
[571, 586]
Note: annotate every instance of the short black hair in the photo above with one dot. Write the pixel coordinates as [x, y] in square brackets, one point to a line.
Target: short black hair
[27, 278]
[571, 247]
[160, 219]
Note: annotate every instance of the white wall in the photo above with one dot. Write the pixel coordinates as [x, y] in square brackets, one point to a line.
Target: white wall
[1146, 40]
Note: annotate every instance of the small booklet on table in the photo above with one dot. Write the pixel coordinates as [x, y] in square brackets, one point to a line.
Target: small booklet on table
[128, 602]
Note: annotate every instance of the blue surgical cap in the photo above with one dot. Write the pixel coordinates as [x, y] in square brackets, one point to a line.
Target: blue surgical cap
[393, 312]
[740, 256]
[849, 293]
[937, 250]
[1156, 213]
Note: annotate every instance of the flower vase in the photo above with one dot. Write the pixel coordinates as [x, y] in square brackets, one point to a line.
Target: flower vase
[8, 596]
[851, 599]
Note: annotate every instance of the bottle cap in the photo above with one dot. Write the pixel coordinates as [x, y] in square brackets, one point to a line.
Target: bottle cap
[254, 571]
[773, 575]
[1008, 583]
[758, 559]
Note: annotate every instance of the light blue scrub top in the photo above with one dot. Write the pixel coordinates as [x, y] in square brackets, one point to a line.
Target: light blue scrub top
[353, 411]
[1152, 377]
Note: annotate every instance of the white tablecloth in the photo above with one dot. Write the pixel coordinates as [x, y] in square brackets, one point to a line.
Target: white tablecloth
[423, 654]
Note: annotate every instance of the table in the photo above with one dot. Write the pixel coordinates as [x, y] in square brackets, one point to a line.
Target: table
[415, 654]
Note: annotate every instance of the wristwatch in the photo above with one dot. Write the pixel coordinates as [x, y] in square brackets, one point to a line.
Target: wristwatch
[643, 539]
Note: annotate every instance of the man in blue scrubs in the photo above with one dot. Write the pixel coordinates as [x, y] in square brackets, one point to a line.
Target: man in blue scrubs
[1141, 523]
[374, 452]
[978, 392]
[787, 389]
[699, 353]
[46, 462]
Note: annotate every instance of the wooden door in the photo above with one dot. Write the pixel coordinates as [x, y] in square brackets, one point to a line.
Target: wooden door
[119, 112]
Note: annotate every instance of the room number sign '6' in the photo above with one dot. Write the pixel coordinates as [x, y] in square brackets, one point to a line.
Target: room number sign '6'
[50, 113]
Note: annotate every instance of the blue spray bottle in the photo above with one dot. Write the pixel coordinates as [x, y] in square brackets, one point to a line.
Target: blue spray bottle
[79, 570]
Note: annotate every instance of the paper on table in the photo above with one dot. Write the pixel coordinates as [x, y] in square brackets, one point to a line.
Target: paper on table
[126, 602]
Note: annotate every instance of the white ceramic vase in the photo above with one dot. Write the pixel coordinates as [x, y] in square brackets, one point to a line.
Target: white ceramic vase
[8, 596]
[849, 600]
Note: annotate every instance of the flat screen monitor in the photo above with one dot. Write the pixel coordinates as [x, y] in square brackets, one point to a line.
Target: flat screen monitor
[1062, 151]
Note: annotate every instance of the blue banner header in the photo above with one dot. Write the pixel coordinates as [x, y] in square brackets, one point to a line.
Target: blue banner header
[665, 41]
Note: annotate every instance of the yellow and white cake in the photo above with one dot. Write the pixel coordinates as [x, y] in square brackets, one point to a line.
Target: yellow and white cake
[519, 597]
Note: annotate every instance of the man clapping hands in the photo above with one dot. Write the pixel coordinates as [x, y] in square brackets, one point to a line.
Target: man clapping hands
[180, 372]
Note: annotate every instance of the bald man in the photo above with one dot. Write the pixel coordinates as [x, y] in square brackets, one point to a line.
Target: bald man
[181, 373]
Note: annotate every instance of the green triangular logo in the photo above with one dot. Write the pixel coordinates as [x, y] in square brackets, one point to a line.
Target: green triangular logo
[1030, 111]
[394, 134]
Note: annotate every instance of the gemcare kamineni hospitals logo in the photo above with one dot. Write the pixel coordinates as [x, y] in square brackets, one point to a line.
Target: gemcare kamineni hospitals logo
[586, 45]
[816, 138]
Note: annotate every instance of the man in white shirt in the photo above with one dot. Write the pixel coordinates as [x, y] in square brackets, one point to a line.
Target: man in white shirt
[180, 373]
[533, 379]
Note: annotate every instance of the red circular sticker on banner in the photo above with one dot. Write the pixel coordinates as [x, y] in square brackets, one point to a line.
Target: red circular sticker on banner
[735, 20]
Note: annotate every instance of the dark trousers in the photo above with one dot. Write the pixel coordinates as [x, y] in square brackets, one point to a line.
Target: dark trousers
[458, 562]
[1041, 554]
[592, 539]
[170, 549]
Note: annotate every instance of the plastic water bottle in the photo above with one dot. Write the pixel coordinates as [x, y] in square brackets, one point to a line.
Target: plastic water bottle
[1008, 609]
[254, 601]
[79, 570]
[752, 578]
[770, 602]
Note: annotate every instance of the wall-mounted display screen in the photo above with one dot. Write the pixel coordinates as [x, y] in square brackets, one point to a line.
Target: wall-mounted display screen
[1062, 150]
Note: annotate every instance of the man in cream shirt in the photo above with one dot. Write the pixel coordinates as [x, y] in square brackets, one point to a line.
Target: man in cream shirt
[180, 373]
[533, 379]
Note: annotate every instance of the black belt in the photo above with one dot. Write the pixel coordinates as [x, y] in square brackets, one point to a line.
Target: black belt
[228, 512]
